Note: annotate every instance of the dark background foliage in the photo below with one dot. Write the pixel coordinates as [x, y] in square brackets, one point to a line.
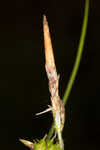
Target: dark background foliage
[23, 82]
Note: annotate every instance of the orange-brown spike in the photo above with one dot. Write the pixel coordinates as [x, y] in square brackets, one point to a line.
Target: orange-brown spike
[57, 106]
[49, 56]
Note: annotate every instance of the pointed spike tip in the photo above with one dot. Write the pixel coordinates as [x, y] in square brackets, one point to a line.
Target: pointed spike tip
[49, 56]
[44, 19]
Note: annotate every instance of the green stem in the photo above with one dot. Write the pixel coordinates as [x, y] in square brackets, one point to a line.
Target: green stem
[60, 141]
[79, 53]
[77, 61]
[51, 131]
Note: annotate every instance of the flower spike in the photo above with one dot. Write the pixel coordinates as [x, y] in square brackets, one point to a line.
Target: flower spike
[57, 105]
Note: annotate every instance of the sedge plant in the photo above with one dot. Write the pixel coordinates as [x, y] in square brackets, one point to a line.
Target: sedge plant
[57, 106]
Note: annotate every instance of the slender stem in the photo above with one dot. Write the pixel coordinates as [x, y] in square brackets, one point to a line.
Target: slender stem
[60, 141]
[51, 131]
[77, 61]
[79, 53]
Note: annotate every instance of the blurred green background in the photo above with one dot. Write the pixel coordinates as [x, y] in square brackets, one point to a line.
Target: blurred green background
[23, 81]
